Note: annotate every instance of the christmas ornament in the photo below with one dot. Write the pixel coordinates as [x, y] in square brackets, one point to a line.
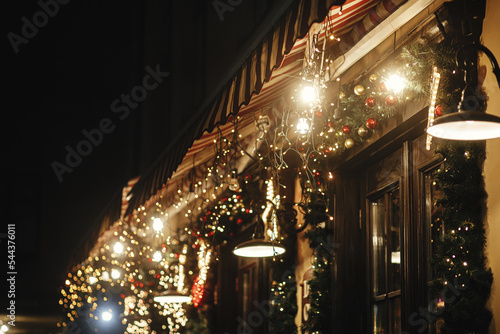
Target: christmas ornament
[370, 102]
[359, 89]
[382, 87]
[373, 78]
[390, 100]
[362, 132]
[439, 110]
[346, 129]
[371, 123]
[341, 95]
[349, 143]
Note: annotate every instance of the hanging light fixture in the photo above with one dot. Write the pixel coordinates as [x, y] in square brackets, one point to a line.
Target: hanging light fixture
[259, 246]
[471, 122]
[170, 297]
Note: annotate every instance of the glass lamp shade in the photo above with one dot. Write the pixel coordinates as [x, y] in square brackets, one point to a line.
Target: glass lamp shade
[170, 297]
[259, 248]
[466, 125]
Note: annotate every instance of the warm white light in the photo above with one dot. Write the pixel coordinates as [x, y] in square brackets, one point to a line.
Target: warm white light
[157, 256]
[106, 316]
[92, 280]
[105, 275]
[302, 126]
[157, 224]
[173, 298]
[309, 94]
[118, 248]
[396, 257]
[259, 248]
[4, 328]
[465, 130]
[115, 273]
[396, 83]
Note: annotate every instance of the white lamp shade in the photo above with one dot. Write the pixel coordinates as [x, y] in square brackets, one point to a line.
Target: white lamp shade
[259, 248]
[170, 297]
[468, 125]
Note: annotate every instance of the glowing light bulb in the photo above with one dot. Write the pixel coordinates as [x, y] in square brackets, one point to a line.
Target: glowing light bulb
[115, 273]
[309, 94]
[118, 248]
[105, 275]
[302, 126]
[92, 280]
[4, 328]
[106, 316]
[157, 224]
[396, 83]
[157, 256]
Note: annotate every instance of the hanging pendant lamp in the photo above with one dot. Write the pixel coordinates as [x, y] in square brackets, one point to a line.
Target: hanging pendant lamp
[259, 246]
[469, 123]
[170, 297]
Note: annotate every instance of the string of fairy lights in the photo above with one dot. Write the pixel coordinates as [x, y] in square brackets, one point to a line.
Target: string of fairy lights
[169, 243]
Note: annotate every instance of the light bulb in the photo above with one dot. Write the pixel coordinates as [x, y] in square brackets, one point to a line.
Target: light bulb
[309, 94]
[157, 256]
[396, 83]
[302, 126]
[105, 275]
[157, 224]
[118, 248]
[92, 280]
[115, 273]
[106, 316]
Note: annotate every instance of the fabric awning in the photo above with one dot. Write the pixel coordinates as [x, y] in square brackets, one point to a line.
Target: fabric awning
[267, 74]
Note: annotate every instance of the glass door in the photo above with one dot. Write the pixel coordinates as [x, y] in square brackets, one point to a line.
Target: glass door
[385, 260]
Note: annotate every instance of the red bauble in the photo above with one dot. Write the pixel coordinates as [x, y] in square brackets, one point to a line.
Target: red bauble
[346, 129]
[371, 123]
[390, 100]
[330, 124]
[439, 110]
[370, 102]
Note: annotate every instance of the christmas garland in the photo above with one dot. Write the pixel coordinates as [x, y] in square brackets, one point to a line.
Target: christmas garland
[320, 311]
[284, 290]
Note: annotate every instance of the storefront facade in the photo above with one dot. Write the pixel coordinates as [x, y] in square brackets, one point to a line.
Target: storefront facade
[367, 189]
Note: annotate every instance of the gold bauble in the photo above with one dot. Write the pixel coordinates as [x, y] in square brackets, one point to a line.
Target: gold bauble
[349, 143]
[373, 78]
[341, 95]
[359, 89]
[362, 132]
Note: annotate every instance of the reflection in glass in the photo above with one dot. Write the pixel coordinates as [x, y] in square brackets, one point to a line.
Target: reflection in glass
[378, 241]
[378, 316]
[394, 278]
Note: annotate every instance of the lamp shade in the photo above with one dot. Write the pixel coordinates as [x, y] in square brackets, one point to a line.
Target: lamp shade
[170, 297]
[259, 248]
[466, 125]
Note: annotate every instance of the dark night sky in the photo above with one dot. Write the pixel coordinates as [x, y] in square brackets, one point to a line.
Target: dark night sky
[61, 82]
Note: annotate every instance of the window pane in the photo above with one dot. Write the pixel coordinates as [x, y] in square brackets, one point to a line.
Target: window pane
[378, 243]
[394, 279]
[396, 315]
[379, 316]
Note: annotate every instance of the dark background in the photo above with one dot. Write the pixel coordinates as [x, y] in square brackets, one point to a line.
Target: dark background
[62, 82]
